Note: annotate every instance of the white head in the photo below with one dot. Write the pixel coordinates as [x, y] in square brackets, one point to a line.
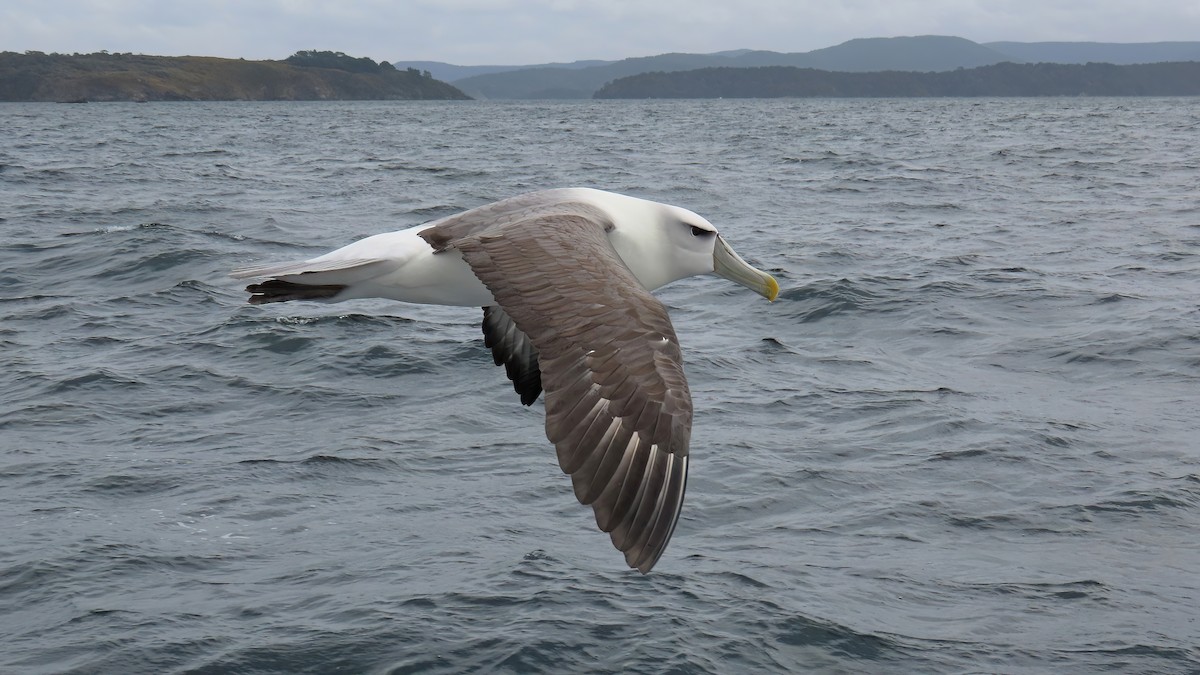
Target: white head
[662, 243]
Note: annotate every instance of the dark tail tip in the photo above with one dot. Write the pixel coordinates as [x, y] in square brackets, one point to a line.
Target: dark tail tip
[274, 290]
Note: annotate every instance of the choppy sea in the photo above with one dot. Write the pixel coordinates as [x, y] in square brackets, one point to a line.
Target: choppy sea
[966, 438]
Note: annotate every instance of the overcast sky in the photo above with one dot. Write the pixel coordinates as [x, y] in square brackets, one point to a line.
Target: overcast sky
[473, 32]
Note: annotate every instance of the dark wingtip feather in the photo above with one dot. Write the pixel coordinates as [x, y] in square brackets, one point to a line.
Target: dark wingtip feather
[512, 349]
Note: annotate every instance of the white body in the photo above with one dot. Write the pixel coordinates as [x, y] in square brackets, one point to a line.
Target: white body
[409, 271]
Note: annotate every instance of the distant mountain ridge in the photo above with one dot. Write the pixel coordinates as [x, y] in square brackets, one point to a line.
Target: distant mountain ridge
[1173, 78]
[927, 53]
[1116, 53]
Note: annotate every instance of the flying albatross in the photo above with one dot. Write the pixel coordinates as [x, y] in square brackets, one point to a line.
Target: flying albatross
[564, 278]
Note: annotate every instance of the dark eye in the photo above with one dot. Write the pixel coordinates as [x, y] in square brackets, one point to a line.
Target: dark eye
[700, 232]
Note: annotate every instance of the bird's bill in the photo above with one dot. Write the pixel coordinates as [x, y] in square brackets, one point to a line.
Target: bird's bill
[727, 263]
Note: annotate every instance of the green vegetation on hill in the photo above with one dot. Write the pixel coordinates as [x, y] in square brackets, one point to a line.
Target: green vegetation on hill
[305, 76]
[337, 61]
[1005, 79]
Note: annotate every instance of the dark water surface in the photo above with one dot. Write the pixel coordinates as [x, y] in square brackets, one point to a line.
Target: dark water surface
[966, 439]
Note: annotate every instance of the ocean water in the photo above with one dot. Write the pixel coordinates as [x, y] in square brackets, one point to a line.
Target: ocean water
[965, 439]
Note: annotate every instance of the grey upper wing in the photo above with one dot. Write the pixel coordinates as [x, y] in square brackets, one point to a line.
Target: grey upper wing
[443, 233]
[618, 409]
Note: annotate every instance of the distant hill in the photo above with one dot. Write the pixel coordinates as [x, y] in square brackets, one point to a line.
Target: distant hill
[1004, 79]
[1122, 54]
[305, 76]
[928, 53]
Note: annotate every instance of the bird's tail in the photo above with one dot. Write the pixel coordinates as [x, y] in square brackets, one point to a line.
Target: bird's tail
[278, 290]
[308, 280]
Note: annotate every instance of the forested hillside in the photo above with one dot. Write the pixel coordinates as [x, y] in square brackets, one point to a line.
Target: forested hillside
[309, 75]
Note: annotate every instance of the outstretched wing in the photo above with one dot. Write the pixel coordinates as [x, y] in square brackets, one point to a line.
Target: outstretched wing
[618, 409]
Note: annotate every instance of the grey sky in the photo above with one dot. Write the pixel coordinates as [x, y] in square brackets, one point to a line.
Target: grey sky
[469, 32]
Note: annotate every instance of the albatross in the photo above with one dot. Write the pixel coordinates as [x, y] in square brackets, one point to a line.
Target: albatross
[564, 279]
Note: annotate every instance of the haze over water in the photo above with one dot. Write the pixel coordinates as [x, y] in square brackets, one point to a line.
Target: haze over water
[964, 439]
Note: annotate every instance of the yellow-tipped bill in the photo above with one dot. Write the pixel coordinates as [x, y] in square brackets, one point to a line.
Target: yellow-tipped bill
[727, 263]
